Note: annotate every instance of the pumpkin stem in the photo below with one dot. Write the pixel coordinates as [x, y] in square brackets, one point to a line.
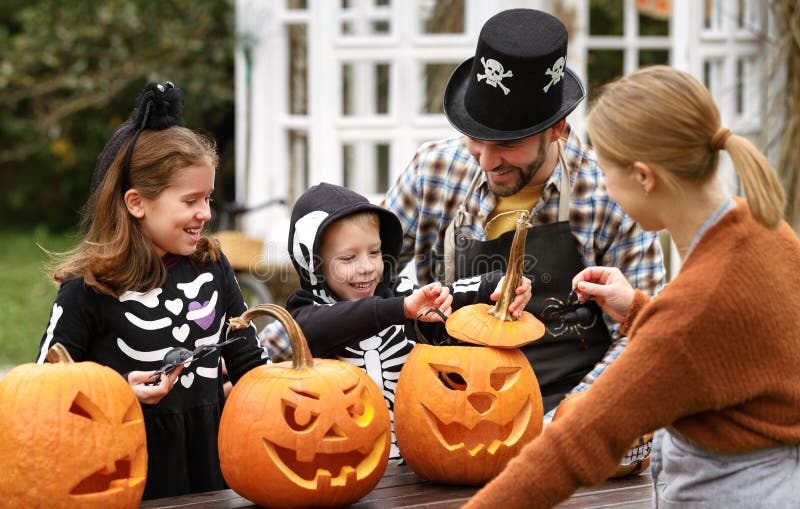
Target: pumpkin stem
[514, 271]
[301, 354]
[58, 354]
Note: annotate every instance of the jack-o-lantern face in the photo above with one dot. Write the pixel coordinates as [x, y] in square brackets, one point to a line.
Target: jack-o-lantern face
[317, 436]
[461, 412]
[73, 431]
[635, 461]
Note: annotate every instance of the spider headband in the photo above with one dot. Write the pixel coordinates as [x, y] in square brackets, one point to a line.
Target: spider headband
[159, 106]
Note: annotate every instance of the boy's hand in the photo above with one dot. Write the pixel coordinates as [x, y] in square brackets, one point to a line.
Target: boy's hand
[430, 296]
[523, 292]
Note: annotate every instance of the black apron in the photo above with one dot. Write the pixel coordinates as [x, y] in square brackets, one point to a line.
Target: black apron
[576, 336]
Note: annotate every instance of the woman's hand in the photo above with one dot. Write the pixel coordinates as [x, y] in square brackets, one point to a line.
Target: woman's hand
[606, 286]
[430, 296]
[152, 394]
[523, 292]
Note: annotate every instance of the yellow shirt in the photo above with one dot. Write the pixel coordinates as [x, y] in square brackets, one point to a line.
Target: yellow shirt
[525, 199]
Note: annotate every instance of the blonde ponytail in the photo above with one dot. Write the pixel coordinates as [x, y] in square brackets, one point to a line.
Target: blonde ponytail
[762, 188]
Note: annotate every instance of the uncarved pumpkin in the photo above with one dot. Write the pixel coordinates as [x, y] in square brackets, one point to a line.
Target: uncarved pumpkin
[303, 433]
[72, 435]
[635, 461]
[461, 412]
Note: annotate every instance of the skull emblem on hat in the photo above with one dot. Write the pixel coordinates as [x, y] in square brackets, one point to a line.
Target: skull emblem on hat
[494, 74]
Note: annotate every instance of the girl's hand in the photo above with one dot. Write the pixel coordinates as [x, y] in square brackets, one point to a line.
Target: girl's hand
[430, 296]
[152, 394]
[523, 292]
[606, 286]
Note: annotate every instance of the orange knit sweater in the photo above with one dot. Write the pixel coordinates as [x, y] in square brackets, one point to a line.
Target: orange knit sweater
[716, 356]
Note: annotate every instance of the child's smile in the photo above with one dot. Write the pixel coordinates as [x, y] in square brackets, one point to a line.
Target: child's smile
[352, 263]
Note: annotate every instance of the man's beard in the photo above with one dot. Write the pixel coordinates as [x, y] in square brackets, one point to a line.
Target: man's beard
[525, 174]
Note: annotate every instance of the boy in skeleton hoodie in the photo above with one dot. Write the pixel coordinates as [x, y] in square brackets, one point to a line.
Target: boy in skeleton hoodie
[351, 305]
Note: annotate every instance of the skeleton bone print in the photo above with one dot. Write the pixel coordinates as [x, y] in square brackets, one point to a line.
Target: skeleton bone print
[382, 356]
[191, 308]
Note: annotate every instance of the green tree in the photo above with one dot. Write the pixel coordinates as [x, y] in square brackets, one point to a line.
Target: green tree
[70, 72]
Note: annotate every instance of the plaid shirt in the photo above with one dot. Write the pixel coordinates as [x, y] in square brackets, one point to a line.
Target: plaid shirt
[427, 194]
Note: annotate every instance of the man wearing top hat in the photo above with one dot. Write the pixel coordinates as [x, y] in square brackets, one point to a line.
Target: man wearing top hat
[456, 198]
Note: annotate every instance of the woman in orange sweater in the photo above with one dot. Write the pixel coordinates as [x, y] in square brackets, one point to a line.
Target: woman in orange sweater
[715, 358]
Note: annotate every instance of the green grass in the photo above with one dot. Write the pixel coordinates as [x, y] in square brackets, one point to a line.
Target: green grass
[26, 292]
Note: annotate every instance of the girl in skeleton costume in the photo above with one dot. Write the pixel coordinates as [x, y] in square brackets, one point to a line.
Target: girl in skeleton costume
[143, 280]
[351, 306]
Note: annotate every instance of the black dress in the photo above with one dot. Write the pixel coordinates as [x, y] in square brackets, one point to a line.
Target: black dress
[134, 331]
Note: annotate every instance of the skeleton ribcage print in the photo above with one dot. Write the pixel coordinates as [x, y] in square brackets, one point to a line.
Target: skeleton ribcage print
[382, 356]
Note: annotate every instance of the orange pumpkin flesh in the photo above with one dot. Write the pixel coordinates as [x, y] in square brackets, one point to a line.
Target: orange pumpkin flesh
[475, 324]
[72, 436]
[636, 460]
[482, 324]
[303, 433]
[461, 412]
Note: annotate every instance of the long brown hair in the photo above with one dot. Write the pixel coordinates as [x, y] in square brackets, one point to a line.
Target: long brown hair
[114, 255]
[666, 118]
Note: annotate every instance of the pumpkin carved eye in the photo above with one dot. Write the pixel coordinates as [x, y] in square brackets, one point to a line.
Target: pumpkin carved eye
[300, 419]
[503, 378]
[84, 407]
[133, 414]
[450, 377]
[362, 412]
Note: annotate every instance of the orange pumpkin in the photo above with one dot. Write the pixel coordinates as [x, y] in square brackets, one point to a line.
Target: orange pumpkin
[72, 435]
[486, 325]
[636, 460]
[461, 412]
[303, 433]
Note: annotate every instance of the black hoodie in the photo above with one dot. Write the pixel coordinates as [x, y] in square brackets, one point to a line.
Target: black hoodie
[368, 332]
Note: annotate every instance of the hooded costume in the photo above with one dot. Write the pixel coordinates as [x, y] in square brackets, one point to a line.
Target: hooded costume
[368, 332]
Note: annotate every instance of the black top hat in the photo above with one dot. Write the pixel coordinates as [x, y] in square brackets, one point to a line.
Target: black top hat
[517, 84]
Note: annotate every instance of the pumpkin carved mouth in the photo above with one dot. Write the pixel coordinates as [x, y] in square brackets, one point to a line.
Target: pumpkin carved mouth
[348, 466]
[127, 473]
[457, 436]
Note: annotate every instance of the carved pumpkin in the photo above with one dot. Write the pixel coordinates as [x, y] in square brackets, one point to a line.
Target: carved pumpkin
[303, 433]
[461, 412]
[72, 435]
[636, 460]
[482, 324]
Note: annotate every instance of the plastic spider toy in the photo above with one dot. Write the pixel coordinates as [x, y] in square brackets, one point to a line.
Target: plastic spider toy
[179, 355]
[568, 316]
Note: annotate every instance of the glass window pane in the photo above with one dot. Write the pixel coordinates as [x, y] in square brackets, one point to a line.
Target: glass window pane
[441, 17]
[297, 145]
[365, 88]
[653, 57]
[366, 166]
[296, 4]
[653, 24]
[434, 79]
[603, 66]
[605, 17]
[382, 77]
[381, 27]
[298, 70]
[379, 3]
[654, 16]
[712, 15]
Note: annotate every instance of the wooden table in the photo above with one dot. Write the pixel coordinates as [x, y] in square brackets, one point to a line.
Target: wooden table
[401, 488]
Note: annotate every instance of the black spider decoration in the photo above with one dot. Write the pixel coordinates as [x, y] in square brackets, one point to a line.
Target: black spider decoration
[569, 315]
